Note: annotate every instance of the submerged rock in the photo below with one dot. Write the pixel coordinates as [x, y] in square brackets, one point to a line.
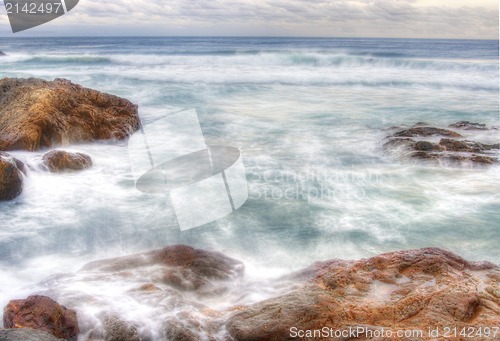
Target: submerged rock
[426, 131]
[26, 334]
[466, 125]
[406, 290]
[409, 142]
[179, 266]
[36, 114]
[60, 161]
[11, 179]
[42, 313]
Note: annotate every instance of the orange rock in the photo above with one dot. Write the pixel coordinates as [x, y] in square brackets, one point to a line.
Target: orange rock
[36, 114]
[42, 313]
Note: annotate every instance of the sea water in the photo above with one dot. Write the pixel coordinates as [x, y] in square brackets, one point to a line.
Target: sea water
[309, 117]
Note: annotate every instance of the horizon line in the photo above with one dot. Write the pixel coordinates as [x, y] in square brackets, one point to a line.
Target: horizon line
[241, 36]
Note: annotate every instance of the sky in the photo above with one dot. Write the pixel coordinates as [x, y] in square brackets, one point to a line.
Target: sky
[460, 19]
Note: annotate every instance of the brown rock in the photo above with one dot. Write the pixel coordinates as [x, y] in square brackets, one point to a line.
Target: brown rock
[406, 290]
[461, 146]
[183, 267]
[60, 161]
[426, 146]
[36, 114]
[426, 131]
[43, 313]
[466, 125]
[11, 179]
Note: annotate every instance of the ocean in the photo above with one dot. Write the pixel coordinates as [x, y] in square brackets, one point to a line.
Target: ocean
[309, 116]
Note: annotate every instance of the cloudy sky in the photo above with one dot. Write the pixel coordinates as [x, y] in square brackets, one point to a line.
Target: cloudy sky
[475, 19]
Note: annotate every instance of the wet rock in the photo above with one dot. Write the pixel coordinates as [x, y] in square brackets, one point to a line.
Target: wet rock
[2, 54]
[36, 114]
[487, 160]
[461, 146]
[182, 267]
[119, 330]
[11, 179]
[399, 142]
[26, 334]
[466, 125]
[410, 143]
[426, 131]
[403, 290]
[424, 155]
[42, 313]
[426, 146]
[60, 161]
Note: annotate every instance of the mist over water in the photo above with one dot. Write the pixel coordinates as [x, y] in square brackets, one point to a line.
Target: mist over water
[309, 117]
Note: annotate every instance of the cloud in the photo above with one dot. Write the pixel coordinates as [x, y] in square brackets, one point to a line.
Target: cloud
[387, 18]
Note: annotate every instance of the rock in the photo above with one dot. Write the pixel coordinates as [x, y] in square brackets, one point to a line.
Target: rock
[42, 313]
[182, 267]
[2, 54]
[426, 131]
[408, 143]
[119, 330]
[25, 334]
[461, 146]
[60, 161]
[426, 146]
[405, 290]
[11, 179]
[36, 114]
[466, 125]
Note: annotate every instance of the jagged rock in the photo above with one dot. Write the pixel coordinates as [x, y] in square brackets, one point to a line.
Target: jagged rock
[466, 125]
[25, 334]
[405, 290]
[60, 161]
[426, 131]
[42, 313]
[36, 114]
[11, 179]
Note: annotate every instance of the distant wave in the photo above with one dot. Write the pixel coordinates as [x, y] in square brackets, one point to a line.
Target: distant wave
[69, 59]
[266, 59]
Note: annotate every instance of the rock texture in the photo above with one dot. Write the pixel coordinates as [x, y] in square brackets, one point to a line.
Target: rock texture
[404, 290]
[26, 334]
[36, 114]
[60, 161]
[179, 266]
[41, 313]
[424, 142]
[11, 179]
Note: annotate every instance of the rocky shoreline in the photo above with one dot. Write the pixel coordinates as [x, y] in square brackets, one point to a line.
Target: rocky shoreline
[39, 115]
[404, 290]
[178, 285]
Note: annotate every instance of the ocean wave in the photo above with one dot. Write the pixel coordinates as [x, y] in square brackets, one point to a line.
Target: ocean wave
[68, 59]
[303, 59]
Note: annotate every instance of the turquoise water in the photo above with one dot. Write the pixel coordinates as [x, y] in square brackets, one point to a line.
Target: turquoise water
[308, 116]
